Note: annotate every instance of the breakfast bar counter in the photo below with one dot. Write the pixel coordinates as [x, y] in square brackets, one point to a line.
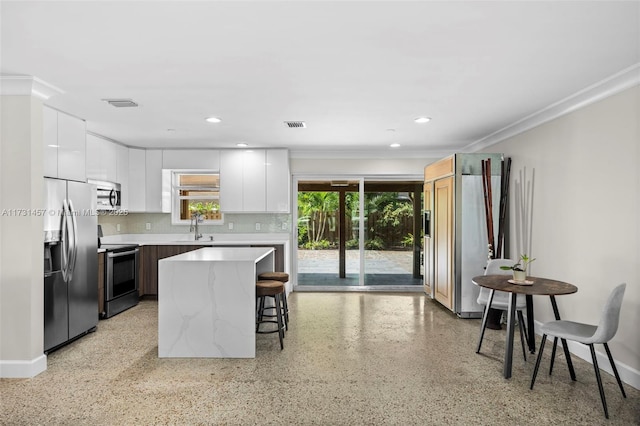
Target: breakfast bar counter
[206, 302]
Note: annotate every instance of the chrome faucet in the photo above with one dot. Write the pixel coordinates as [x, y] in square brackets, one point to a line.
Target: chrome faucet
[195, 218]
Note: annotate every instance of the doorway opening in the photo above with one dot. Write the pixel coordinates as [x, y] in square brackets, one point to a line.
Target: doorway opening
[359, 233]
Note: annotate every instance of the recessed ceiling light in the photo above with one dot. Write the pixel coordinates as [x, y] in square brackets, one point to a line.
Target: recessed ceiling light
[395, 145]
[242, 145]
[422, 120]
[213, 119]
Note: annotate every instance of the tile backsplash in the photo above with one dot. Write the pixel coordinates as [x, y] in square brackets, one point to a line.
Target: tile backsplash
[160, 223]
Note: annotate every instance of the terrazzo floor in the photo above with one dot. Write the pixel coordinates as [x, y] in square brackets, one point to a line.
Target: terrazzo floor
[349, 359]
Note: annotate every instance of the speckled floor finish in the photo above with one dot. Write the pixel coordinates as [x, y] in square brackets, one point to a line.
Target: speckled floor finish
[349, 359]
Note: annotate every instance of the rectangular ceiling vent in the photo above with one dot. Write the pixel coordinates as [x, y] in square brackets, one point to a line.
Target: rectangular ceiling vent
[121, 103]
[296, 124]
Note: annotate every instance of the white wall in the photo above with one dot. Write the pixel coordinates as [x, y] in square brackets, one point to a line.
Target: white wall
[586, 209]
[21, 250]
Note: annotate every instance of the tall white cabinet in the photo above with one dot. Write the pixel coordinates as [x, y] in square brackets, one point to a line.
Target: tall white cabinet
[64, 146]
[137, 180]
[153, 181]
[254, 181]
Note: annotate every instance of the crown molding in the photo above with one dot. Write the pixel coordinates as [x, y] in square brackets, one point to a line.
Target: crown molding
[26, 85]
[623, 80]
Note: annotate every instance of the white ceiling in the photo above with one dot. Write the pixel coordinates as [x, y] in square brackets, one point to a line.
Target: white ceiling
[351, 70]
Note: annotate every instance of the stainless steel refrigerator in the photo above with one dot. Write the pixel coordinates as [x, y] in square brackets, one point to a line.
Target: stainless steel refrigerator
[70, 261]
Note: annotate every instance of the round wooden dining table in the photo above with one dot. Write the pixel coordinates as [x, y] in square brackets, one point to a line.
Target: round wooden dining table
[537, 286]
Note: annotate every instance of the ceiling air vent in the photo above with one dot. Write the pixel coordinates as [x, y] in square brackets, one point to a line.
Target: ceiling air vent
[296, 124]
[121, 103]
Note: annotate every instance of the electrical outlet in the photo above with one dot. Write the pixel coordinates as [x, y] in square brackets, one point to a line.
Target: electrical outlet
[148, 226]
[257, 226]
[230, 225]
[118, 227]
[284, 226]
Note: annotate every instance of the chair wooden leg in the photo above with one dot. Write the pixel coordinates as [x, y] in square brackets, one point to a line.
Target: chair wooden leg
[599, 379]
[535, 369]
[615, 370]
[522, 334]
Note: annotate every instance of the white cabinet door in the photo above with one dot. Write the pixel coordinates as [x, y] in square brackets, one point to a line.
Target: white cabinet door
[278, 181]
[231, 192]
[254, 183]
[72, 148]
[153, 177]
[137, 180]
[94, 158]
[50, 140]
[109, 160]
[122, 174]
[206, 159]
[64, 145]
[101, 159]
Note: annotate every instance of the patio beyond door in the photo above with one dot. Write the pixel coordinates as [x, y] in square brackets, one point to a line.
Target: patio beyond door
[358, 233]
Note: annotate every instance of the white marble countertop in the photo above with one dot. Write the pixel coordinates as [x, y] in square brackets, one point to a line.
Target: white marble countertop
[222, 254]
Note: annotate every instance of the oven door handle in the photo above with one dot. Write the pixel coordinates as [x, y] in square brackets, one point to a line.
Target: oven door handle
[122, 253]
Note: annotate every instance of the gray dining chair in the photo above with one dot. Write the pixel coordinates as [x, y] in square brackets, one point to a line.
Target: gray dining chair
[501, 300]
[589, 335]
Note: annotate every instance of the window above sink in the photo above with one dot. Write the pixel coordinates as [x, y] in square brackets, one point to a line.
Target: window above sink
[186, 192]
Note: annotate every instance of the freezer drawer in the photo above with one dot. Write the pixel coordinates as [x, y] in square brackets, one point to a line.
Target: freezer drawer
[56, 311]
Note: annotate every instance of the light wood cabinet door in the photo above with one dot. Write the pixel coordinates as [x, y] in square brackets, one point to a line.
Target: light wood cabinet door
[443, 230]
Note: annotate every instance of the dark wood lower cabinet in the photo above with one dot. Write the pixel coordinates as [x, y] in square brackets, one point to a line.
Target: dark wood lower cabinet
[149, 265]
[149, 256]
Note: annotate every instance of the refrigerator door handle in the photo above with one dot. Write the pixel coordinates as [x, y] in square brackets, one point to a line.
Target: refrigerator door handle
[74, 247]
[65, 241]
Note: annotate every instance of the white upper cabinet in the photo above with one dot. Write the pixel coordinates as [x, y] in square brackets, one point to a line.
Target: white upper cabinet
[278, 181]
[231, 181]
[122, 174]
[64, 139]
[254, 180]
[50, 138]
[101, 159]
[137, 180]
[153, 178]
[205, 159]
[254, 183]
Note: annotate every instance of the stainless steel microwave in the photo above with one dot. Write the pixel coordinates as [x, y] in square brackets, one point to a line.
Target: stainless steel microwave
[108, 194]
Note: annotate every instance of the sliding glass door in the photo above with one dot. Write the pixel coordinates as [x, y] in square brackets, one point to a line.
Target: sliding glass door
[358, 233]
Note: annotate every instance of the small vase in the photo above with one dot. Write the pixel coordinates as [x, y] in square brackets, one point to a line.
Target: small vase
[519, 275]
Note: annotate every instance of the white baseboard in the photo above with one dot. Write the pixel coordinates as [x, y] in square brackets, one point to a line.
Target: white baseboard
[20, 369]
[627, 374]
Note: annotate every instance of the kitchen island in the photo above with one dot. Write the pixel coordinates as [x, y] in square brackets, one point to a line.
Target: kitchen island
[206, 302]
